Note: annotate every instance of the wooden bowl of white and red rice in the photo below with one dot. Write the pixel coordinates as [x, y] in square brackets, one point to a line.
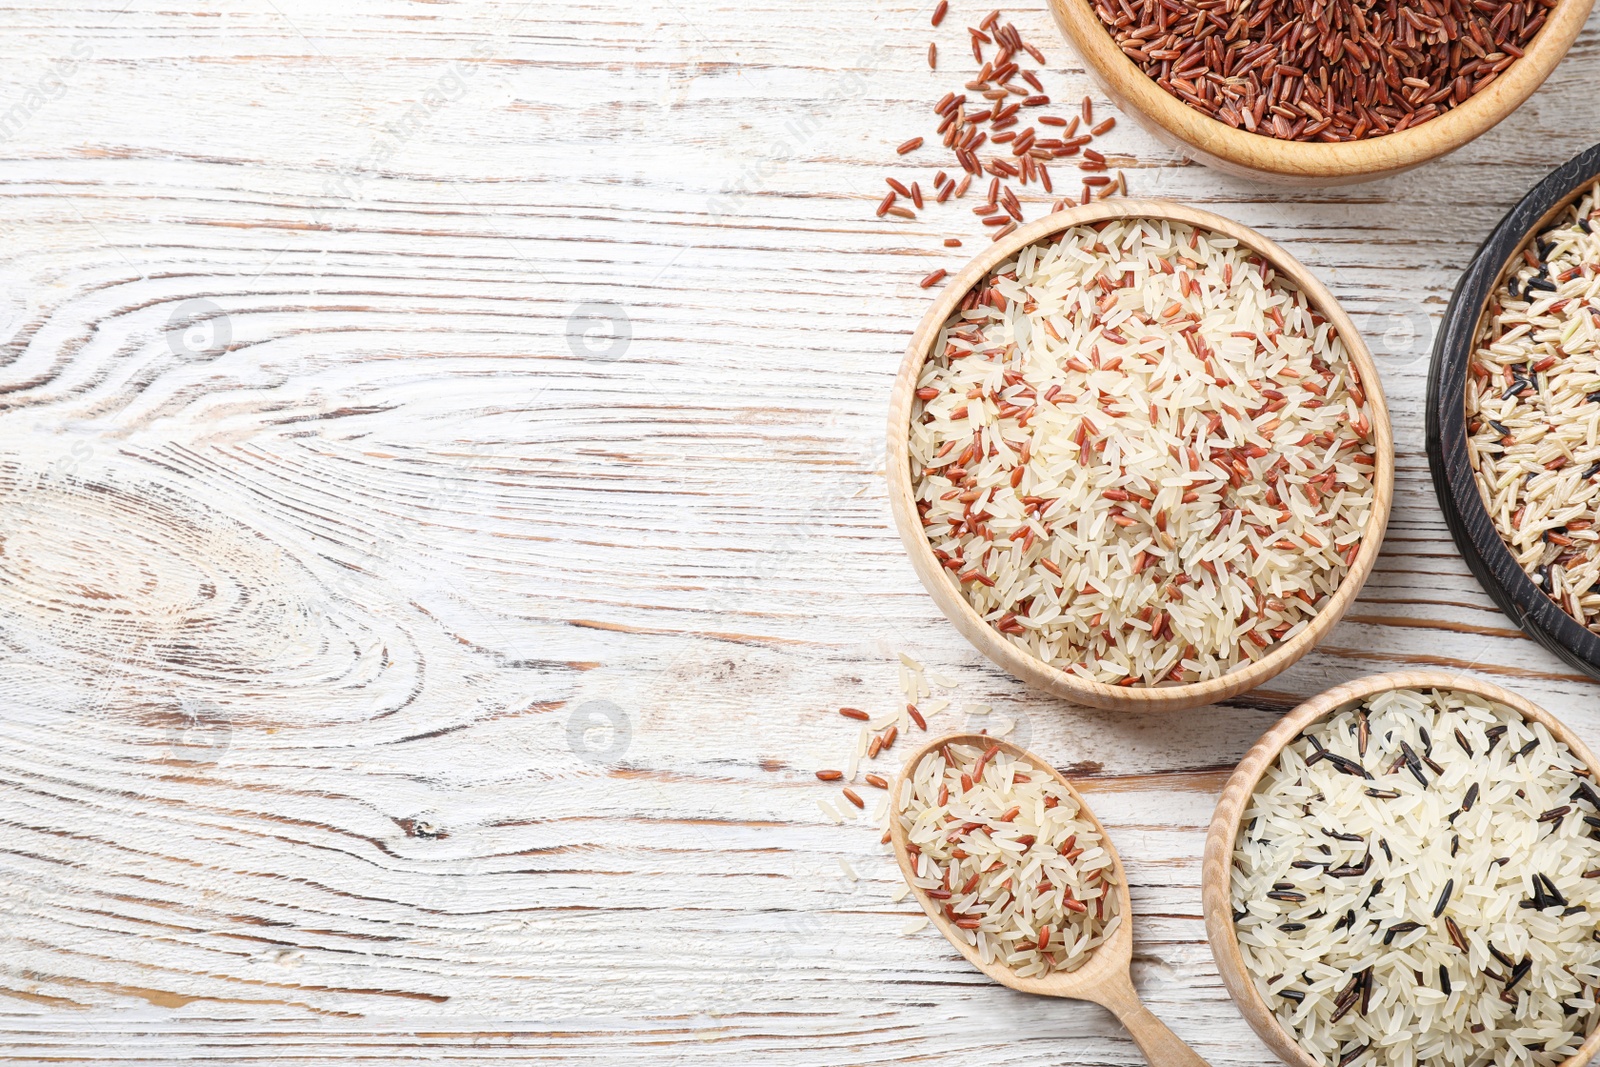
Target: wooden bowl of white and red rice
[1200, 450]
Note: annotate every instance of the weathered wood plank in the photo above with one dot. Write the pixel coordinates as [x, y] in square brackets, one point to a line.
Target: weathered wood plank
[303, 629]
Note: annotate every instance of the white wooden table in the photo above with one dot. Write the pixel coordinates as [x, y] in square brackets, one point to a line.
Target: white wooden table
[399, 664]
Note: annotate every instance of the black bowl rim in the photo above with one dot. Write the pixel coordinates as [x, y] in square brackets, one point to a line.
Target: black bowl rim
[1475, 535]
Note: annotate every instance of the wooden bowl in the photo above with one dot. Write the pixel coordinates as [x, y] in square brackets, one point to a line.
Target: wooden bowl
[1219, 145]
[1475, 534]
[954, 604]
[1217, 866]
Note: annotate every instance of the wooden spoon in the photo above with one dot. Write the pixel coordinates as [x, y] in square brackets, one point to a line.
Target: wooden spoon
[1105, 978]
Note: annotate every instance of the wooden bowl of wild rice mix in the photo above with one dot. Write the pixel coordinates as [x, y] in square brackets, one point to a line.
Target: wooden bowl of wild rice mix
[1514, 413]
[1320, 92]
[1405, 871]
[1139, 456]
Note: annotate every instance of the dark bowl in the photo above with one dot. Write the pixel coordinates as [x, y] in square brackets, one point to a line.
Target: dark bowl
[1497, 570]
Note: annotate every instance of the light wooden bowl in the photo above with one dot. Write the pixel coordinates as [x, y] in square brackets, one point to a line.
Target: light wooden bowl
[1219, 145]
[1217, 866]
[954, 604]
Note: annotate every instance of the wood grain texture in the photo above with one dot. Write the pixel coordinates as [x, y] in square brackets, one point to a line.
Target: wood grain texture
[437, 667]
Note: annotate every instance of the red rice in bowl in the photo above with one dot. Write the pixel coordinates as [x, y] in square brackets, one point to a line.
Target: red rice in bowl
[1005, 851]
[1140, 453]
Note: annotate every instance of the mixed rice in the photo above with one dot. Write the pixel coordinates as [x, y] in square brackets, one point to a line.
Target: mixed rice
[1533, 411]
[1005, 852]
[1416, 883]
[1140, 453]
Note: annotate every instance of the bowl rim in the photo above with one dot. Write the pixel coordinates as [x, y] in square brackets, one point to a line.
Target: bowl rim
[1474, 532]
[1217, 860]
[954, 604]
[1314, 160]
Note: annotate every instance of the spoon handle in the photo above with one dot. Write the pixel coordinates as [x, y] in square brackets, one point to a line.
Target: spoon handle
[1161, 1047]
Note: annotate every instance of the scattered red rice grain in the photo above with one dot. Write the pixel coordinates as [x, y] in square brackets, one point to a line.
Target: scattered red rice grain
[830, 776]
[952, 242]
[877, 780]
[916, 717]
[854, 713]
[933, 278]
[1000, 90]
[853, 797]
